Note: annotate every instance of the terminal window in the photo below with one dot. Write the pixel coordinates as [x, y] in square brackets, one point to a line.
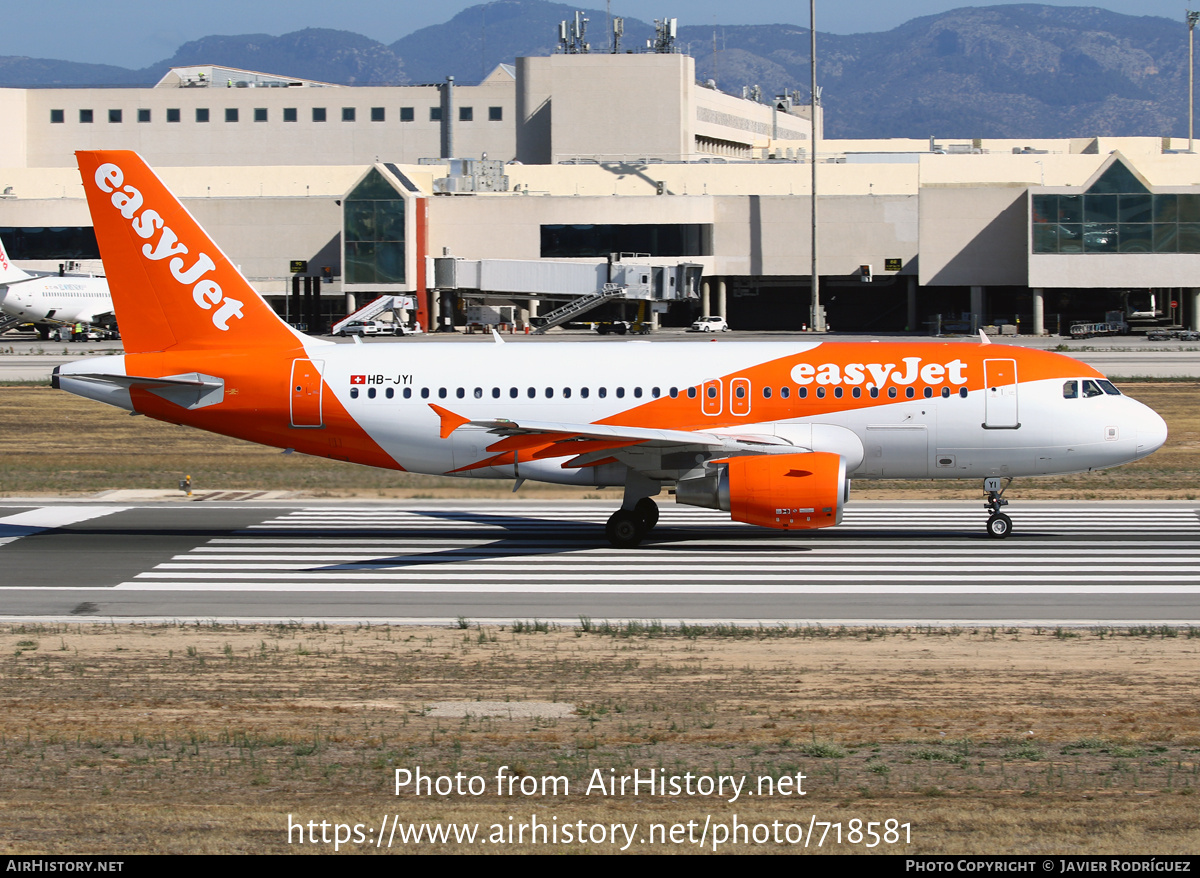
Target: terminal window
[377, 114]
[59, 242]
[655, 239]
[114, 115]
[143, 115]
[435, 114]
[289, 114]
[406, 114]
[318, 114]
[260, 114]
[347, 114]
[201, 114]
[85, 116]
[374, 233]
[495, 114]
[173, 115]
[57, 116]
[231, 114]
[466, 114]
[1117, 214]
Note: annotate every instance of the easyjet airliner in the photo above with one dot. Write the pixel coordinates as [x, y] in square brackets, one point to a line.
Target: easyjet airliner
[770, 432]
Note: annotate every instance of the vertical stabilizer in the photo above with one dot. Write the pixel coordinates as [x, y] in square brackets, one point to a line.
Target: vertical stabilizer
[172, 287]
[9, 273]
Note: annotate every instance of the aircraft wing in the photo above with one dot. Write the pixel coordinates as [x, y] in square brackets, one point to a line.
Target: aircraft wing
[649, 436]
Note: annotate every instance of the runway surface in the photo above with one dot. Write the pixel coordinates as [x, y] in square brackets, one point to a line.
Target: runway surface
[1066, 563]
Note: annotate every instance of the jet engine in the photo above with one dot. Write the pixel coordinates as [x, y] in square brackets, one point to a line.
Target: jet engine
[783, 491]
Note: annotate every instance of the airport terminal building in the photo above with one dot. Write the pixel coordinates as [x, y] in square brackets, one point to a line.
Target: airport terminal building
[558, 175]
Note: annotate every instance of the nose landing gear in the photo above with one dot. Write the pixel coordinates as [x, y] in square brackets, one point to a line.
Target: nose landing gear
[999, 525]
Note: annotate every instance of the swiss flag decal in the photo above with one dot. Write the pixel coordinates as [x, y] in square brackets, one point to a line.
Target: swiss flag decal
[358, 379]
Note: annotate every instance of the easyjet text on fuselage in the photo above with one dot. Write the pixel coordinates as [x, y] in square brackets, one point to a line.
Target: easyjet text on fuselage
[879, 374]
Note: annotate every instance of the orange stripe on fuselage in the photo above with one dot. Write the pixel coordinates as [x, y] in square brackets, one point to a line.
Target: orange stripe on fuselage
[830, 361]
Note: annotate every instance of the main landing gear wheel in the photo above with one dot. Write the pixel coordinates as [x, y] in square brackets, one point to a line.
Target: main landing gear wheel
[625, 528]
[647, 509]
[999, 526]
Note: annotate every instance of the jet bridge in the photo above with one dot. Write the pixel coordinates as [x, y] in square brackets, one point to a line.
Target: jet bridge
[578, 286]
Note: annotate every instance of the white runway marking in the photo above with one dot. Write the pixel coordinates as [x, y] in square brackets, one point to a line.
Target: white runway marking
[13, 527]
[560, 548]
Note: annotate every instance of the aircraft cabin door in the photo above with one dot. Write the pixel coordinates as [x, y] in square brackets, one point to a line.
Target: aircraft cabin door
[306, 391]
[711, 402]
[739, 397]
[1000, 395]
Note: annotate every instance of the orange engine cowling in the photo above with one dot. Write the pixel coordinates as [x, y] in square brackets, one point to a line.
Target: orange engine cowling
[783, 491]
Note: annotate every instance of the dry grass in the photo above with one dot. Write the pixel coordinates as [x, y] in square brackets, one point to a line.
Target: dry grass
[205, 739]
[53, 442]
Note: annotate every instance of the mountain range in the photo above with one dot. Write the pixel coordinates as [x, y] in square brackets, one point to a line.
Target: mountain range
[993, 71]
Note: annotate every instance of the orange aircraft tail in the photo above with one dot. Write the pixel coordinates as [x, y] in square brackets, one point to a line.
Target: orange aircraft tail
[172, 287]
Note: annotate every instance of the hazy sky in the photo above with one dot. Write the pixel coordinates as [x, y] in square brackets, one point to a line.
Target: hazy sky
[137, 33]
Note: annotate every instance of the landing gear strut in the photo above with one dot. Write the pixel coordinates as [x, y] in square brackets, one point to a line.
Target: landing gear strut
[999, 525]
[638, 514]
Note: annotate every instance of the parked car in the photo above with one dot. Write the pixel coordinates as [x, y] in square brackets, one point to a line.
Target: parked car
[710, 324]
[366, 327]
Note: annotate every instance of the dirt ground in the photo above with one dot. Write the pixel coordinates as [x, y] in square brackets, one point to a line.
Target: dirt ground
[214, 739]
[56, 443]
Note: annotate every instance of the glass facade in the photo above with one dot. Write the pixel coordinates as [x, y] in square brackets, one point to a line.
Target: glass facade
[1118, 214]
[655, 239]
[373, 233]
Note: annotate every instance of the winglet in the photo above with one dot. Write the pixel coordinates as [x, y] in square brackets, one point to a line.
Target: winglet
[450, 421]
[983, 339]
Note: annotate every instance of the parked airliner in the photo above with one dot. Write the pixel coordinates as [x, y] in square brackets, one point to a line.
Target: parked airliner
[46, 300]
[770, 432]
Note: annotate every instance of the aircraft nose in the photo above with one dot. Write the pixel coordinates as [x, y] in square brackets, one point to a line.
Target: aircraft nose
[1151, 431]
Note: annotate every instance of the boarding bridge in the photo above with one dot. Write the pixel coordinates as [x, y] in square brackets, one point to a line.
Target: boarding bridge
[374, 308]
[581, 286]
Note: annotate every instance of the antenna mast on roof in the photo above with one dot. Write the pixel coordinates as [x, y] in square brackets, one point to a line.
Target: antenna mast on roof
[665, 32]
[570, 37]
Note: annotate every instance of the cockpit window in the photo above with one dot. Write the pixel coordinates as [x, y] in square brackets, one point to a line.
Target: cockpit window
[1091, 388]
[1070, 390]
[1109, 388]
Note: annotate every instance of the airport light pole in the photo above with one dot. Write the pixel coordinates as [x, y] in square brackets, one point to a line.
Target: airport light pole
[1191, 23]
[816, 319]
